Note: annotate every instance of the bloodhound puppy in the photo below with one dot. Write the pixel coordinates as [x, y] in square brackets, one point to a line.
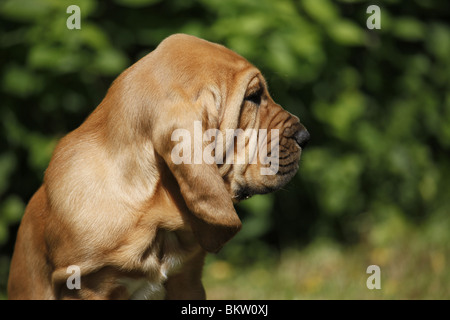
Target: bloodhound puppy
[117, 203]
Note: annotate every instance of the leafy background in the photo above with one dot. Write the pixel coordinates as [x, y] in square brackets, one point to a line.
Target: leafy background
[374, 182]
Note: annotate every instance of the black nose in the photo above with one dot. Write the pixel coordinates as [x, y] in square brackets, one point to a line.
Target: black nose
[302, 137]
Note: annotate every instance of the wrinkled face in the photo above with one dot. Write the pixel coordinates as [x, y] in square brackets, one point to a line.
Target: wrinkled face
[215, 126]
[270, 138]
[255, 143]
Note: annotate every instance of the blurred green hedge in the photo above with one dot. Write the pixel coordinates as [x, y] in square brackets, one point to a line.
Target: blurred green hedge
[376, 102]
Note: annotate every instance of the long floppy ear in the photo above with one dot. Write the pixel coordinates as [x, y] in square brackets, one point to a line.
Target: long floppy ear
[175, 129]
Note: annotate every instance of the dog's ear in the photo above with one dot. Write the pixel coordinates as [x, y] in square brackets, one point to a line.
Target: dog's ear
[177, 136]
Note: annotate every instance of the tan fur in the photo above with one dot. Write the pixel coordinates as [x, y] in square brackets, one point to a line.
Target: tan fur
[113, 202]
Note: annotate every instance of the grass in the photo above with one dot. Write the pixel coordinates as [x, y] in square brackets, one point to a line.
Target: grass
[414, 263]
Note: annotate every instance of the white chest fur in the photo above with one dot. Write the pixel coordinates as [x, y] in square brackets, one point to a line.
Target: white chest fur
[142, 289]
[173, 249]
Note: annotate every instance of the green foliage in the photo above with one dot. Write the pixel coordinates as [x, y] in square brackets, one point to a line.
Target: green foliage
[412, 263]
[376, 102]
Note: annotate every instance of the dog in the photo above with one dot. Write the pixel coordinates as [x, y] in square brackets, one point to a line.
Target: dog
[115, 204]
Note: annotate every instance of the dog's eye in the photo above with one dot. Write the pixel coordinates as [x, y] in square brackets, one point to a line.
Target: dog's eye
[254, 98]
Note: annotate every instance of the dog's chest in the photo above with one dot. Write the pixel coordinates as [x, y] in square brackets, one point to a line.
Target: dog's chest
[170, 252]
[143, 289]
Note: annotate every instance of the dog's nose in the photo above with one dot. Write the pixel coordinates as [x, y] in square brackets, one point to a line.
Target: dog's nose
[302, 137]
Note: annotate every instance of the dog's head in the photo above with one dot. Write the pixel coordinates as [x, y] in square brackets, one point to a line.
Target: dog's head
[210, 117]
